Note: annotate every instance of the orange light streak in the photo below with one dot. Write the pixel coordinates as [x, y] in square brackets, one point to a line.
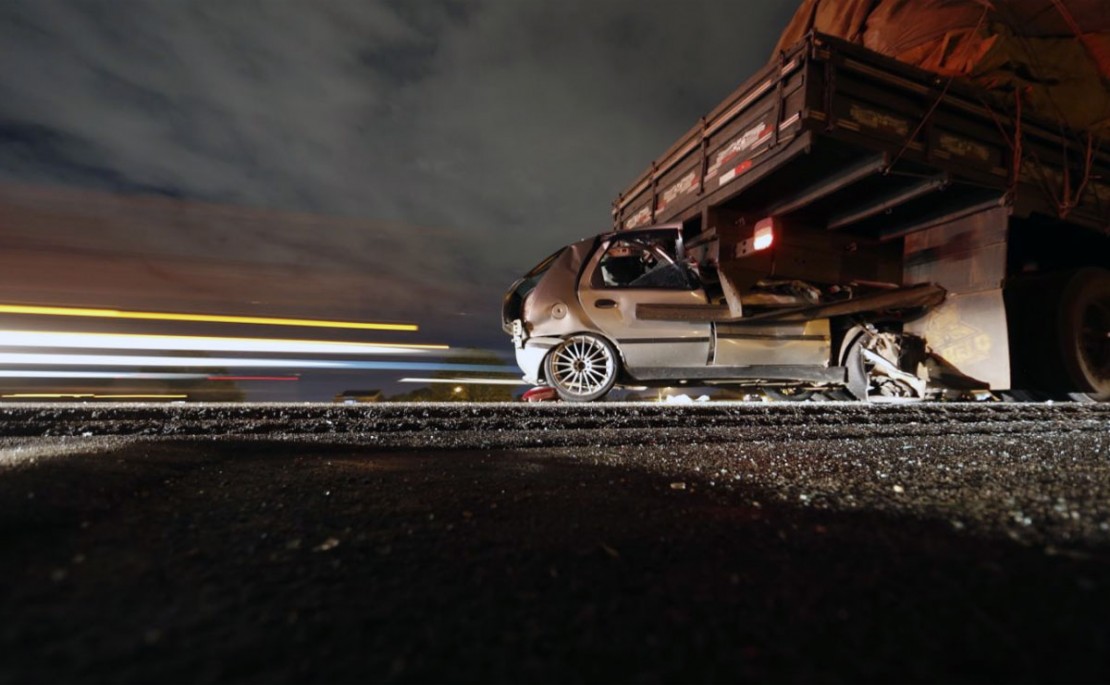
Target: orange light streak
[205, 318]
[128, 341]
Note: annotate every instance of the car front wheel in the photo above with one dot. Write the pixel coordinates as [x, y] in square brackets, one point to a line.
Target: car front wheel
[873, 375]
[582, 368]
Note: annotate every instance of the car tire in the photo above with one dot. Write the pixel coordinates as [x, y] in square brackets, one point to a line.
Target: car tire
[582, 368]
[787, 394]
[862, 384]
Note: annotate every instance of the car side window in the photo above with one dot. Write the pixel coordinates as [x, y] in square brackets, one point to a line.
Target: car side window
[638, 263]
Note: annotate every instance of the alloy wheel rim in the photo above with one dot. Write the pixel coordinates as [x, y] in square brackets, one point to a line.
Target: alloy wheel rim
[582, 365]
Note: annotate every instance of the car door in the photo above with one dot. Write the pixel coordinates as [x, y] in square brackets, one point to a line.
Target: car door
[645, 267]
[794, 343]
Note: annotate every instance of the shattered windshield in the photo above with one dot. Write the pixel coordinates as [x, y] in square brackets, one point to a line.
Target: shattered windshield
[642, 262]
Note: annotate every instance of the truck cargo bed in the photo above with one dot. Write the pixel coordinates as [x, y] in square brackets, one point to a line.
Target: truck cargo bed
[841, 137]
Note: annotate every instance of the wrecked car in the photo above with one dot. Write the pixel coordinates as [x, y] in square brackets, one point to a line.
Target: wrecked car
[638, 308]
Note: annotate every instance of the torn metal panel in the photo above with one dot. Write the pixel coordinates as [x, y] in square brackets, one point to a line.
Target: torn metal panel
[968, 258]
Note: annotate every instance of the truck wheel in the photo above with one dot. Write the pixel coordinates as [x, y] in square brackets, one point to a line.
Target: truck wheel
[1059, 327]
[582, 368]
[1084, 330]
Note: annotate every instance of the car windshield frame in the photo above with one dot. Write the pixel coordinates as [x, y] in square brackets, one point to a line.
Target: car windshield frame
[646, 241]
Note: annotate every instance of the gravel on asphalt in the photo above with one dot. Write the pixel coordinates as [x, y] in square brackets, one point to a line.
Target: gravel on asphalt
[641, 543]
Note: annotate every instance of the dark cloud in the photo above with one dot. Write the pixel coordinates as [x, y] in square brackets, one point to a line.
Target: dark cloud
[510, 125]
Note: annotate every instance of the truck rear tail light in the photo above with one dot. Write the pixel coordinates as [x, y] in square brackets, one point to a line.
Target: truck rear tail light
[764, 236]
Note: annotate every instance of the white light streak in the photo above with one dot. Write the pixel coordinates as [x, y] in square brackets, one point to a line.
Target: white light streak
[190, 343]
[91, 360]
[18, 359]
[465, 381]
[134, 375]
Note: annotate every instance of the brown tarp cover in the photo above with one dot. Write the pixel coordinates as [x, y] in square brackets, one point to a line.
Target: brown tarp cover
[1053, 54]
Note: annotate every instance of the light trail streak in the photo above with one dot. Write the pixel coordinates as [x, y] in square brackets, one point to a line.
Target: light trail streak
[252, 378]
[86, 360]
[465, 381]
[206, 318]
[45, 395]
[192, 343]
[134, 375]
[141, 397]
[77, 396]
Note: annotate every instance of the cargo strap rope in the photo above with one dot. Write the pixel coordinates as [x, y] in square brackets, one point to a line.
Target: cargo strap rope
[1064, 199]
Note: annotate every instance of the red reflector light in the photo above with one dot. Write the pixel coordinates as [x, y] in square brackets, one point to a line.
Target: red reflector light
[541, 393]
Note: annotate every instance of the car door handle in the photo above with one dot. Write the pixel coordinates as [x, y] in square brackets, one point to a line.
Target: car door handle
[605, 304]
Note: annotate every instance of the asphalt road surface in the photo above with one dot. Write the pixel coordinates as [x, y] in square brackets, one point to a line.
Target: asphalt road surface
[642, 543]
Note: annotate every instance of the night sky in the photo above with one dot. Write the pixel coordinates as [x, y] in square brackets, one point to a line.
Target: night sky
[435, 149]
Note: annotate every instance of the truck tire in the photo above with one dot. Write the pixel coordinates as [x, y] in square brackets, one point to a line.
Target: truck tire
[582, 368]
[1084, 331]
[1060, 332]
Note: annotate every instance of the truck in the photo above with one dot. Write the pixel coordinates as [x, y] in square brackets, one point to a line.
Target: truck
[842, 224]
